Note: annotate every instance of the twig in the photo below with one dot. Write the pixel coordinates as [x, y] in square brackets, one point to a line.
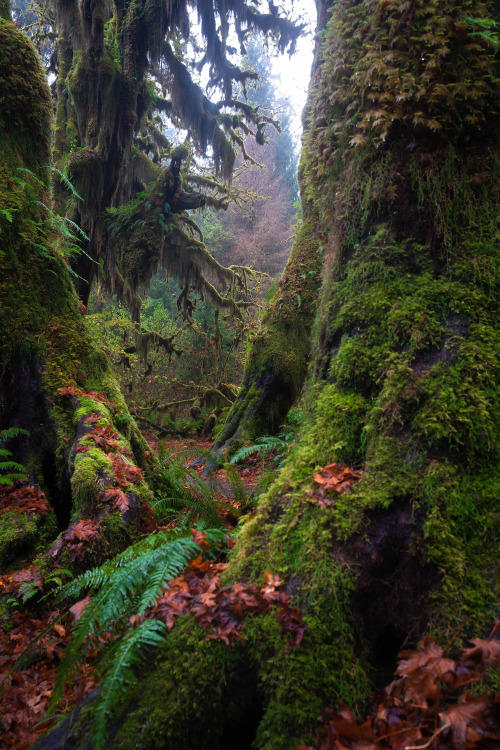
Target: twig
[456, 635]
[160, 429]
[422, 747]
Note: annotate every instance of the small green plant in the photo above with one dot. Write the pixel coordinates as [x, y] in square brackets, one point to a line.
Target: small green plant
[49, 225]
[29, 590]
[11, 471]
[486, 28]
[178, 488]
[278, 444]
[263, 445]
[124, 588]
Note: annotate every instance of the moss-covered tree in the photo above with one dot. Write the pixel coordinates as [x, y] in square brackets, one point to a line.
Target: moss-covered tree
[400, 173]
[121, 68]
[53, 382]
[111, 63]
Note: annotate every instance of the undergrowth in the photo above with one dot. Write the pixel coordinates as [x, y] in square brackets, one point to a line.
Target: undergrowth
[278, 444]
[10, 471]
[177, 488]
[119, 593]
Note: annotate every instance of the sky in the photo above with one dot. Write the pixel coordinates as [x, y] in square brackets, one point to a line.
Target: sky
[293, 73]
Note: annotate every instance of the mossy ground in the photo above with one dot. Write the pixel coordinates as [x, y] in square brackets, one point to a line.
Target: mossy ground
[20, 533]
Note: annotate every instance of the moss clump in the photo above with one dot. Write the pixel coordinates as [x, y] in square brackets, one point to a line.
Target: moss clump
[21, 534]
[199, 694]
[90, 468]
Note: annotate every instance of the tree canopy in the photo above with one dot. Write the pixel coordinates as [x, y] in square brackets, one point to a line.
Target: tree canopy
[124, 71]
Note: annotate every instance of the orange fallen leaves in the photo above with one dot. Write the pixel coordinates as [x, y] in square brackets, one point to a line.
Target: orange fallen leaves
[23, 498]
[74, 391]
[75, 538]
[116, 497]
[424, 707]
[11, 582]
[335, 477]
[27, 690]
[222, 610]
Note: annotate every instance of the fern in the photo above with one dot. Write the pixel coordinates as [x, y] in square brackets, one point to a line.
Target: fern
[11, 471]
[264, 444]
[239, 491]
[125, 586]
[67, 183]
[120, 660]
[178, 488]
[269, 443]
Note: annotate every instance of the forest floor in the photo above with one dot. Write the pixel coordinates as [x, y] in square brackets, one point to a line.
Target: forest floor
[438, 699]
[31, 651]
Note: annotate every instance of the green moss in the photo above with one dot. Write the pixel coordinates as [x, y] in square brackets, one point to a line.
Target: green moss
[26, 102]
[5, 615]
[5, 10]
[18, 535]
[290, 712]
[196, 693]
[89, 470]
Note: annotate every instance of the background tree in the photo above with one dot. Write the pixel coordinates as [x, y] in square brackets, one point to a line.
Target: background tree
[260, 231]
[112, 65]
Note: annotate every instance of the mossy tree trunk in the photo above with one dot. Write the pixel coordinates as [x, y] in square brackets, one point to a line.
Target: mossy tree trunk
[402, 161]
[53, 381]
[278, 355]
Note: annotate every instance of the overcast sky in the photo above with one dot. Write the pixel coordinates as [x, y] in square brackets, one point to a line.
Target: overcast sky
[293, 73]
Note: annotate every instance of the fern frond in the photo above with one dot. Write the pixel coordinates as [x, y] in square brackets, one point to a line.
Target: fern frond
[11, 478]
[67, 183]
[127, 653]
[125, 586]
[205, 508]
[239, 491]
[179, 488]
[5, 465]
[264, 444]
[11, 432]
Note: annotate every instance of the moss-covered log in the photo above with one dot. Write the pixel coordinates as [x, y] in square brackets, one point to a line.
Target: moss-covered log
[53, 382]
[403, 163]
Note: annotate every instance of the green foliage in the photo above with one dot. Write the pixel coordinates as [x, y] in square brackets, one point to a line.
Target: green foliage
[126, 217]
[45, 230]
[11, 471]
[277, 444]
[178, 488]
[55, 578]
[118, 664]
[124, 587]
[486, 28]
